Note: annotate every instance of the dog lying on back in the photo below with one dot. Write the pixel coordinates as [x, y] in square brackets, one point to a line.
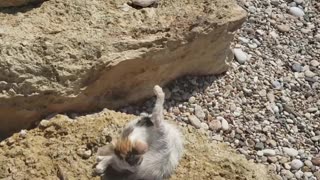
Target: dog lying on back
[149, 148]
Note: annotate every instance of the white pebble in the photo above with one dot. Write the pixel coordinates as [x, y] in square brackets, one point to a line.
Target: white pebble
[296, 11]
[241, 56]
[224, 123]
[296, 164]
[290, 151]
[269, 152]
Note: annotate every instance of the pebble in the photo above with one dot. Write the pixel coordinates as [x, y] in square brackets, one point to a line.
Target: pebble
[204, 126]
[259, 153]
[299, 174]
[224, 123]
[87, 154]
[316, 161]
[288, 174]
[298, 1]
[309, 74]
[192, 100]
[308, 174]
[44, 123]
[195, 121]
[308, 163]
[215, 125]
[259, 146]
[315, 138]
[143, 3]
[290, 151]
[241, 56]
[269, 152]
[312, 110]
[315, 63]
[283, 28]
[296, 67]
[199, 112]
[23, 133]
[296, 11]
[296, 164]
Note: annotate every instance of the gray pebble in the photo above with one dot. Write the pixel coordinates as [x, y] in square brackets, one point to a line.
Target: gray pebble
[199, 112]
[296, 67]
[309, 74]
[298, 174]
[269, 152]
[315, 63]
[296, 164]
[290, 151]
[195, 121]
[296, 11]
[259, 146]
[308, 163]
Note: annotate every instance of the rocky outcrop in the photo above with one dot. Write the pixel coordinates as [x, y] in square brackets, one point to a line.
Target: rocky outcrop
[77, 56]
[13, 3]
[67, 148]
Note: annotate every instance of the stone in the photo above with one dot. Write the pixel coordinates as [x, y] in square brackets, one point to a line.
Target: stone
[315, 63]
[215, 125]
[298, 1]
[290, 151]
[316, 161]
[12, 3]
[272, 159]
[308, 163]
[259, 153]
[241, 56]
[296, 164]
[199, 112]
[23, 133]
[287, 174]
[283, 27]
[88, 69]
[259, 146]
[44, 123]
[315, 138]
[143, 3]
[204, 126]
[192, 100]
[298, 174]
[195, 121]
[296, 67]
[296, 11]
[309, 74]
[269, 152]
[224, 123]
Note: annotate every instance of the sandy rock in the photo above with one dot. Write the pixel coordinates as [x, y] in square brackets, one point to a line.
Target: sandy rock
[79, 61]
[10, 3]
[202, 159]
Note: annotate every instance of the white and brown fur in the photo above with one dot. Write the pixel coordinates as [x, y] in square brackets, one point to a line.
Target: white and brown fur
[149, 147]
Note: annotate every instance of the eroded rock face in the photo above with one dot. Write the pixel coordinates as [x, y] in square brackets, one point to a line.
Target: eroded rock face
[65, 147]
[82, 55]
[13, 3]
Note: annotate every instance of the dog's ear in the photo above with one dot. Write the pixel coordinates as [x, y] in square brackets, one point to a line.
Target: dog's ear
[106, 150]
